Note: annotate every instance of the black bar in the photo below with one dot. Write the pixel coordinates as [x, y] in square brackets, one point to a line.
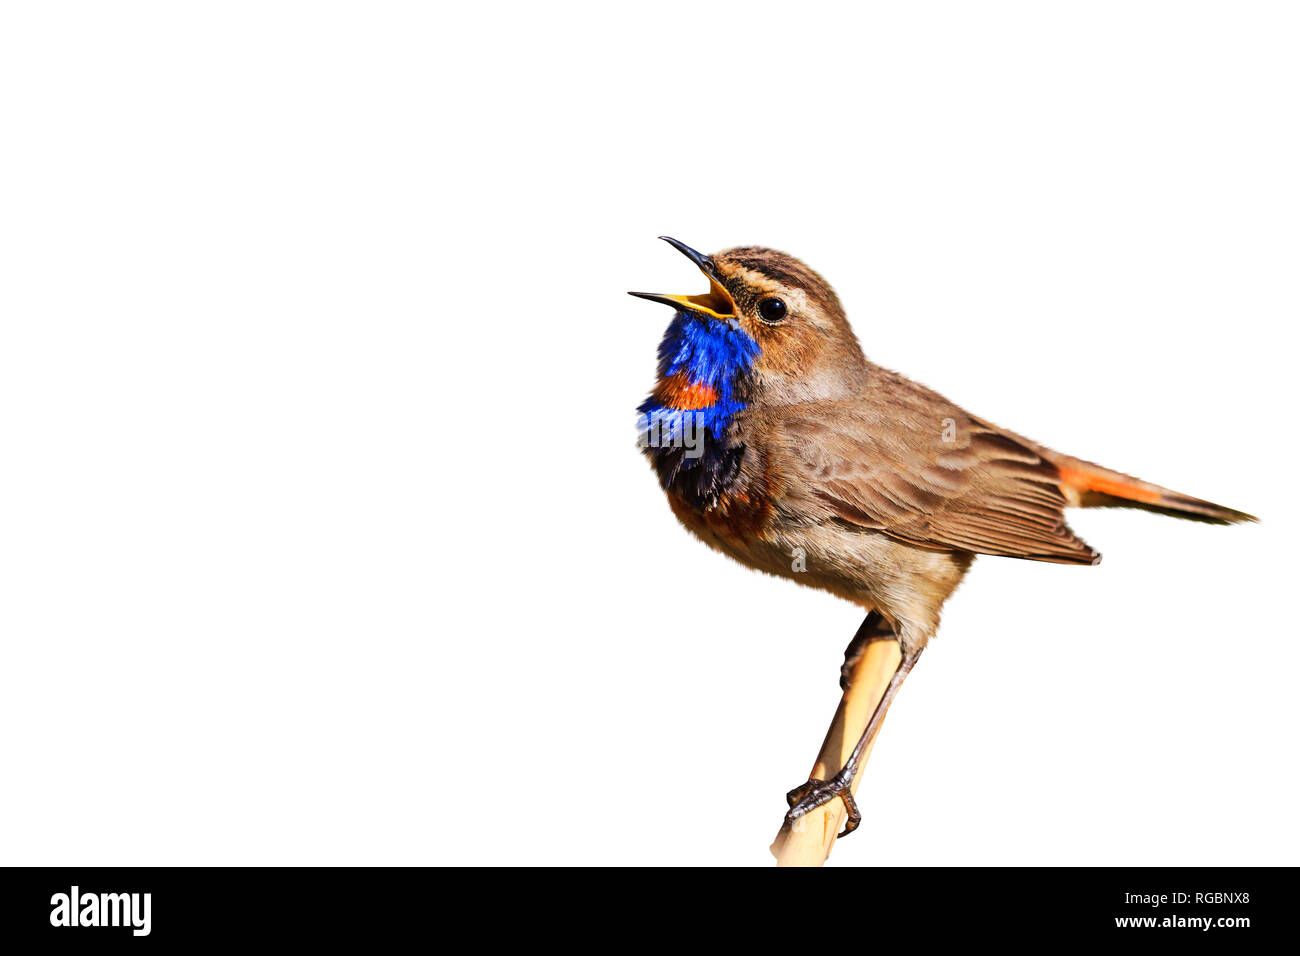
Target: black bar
[237, 905]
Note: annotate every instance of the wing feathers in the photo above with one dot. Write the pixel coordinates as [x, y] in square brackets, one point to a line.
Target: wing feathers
[909, 464]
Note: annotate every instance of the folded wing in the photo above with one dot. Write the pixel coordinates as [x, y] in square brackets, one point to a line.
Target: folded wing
[905, 462]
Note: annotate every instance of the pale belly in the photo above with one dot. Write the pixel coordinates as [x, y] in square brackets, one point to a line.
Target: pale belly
[905, 583]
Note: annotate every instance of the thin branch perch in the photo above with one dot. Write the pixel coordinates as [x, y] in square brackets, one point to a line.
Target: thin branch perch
[809, 841]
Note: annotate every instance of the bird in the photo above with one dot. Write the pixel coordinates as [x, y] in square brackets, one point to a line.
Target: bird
[778, 443]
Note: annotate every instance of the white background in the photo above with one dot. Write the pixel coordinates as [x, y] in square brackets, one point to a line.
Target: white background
[323, 533]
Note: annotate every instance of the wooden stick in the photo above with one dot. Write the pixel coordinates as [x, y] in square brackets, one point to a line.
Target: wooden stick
[809, 842]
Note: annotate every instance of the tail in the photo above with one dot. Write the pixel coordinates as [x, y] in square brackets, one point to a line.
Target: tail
[1091, 486]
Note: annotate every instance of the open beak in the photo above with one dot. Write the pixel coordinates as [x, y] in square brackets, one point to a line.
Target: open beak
[715, 304]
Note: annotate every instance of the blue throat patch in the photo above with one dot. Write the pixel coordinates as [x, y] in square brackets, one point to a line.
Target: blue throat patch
[706, 353]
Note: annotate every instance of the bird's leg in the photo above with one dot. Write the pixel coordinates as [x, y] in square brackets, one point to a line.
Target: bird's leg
[814, 793]
[874, 628]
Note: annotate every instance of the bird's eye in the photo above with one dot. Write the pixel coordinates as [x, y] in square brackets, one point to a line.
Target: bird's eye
[771, 310]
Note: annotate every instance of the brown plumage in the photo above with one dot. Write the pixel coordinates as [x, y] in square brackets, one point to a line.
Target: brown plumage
[881, 490]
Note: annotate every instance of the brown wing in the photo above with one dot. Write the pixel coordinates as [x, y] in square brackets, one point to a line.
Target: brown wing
[906, 462]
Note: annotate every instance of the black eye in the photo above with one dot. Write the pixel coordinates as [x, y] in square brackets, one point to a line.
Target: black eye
[771, 310]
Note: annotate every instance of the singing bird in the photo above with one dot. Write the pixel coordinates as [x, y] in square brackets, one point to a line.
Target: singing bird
[779, 444]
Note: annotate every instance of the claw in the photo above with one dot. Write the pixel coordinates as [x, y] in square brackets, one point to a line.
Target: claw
[799, 792]
[846, 674]
[855, 817]
[807, 797]
[874, 628]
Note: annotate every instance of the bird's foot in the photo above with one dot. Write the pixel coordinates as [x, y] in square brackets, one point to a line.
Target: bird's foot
[874, 628]
[807, 797]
